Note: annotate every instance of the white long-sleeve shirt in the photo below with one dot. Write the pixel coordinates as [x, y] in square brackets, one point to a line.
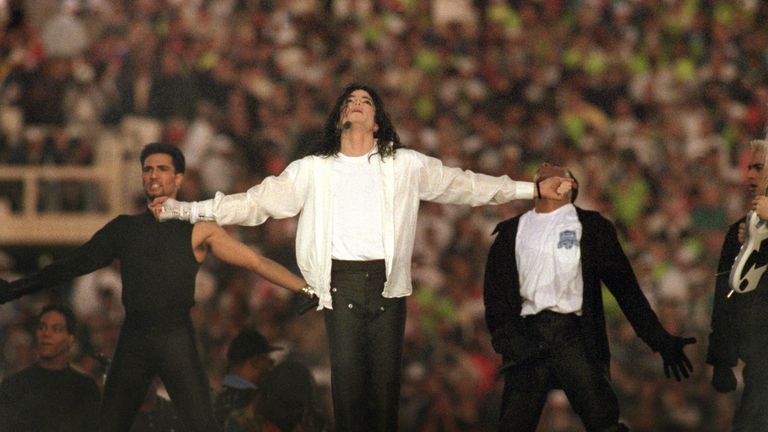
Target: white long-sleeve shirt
[304, 188]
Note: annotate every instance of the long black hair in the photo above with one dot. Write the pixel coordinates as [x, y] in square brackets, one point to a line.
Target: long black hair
[386, 136]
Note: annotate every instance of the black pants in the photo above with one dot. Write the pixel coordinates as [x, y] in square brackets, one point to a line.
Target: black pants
[564, 364]
[365, 335]
[166, 350]
[751, 414]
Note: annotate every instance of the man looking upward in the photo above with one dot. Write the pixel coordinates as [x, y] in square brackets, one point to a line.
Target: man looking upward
[357, 196]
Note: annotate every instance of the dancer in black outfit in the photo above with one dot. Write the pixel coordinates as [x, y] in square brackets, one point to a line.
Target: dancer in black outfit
[158, 264]
[544, 310]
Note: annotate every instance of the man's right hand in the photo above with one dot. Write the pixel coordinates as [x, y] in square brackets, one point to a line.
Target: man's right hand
[165, 208]
[6, 292]
[723, 379]
[156, 207]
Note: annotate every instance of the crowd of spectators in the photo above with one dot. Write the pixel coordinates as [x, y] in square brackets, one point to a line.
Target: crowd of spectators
[650, 103]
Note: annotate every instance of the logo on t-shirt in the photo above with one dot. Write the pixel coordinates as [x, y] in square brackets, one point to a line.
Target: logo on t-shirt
[567, 239]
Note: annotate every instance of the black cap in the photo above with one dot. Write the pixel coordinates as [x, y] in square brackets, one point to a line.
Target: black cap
[246, 344]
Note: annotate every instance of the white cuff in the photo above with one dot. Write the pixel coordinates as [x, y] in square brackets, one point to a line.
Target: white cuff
[525, 190]
[201, 211]
[192, 211]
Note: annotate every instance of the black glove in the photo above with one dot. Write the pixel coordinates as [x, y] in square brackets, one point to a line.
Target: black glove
[675, 361]
[310, 300]
[6, 292]
[723, 379]
[307, 304]
[18, 288]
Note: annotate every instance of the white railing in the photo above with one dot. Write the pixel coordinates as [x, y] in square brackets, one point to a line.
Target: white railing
[29, 226]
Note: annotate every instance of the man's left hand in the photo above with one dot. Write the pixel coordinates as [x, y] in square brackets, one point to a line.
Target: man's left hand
[676, 363]
[556, 188]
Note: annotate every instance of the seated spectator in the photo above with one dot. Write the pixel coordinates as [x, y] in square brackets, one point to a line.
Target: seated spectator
[248, 360]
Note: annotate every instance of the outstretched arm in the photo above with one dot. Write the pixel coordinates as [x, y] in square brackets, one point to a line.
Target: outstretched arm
[209, 236]
[275, 197]
[96, 253]
[451, 185]
[617, 274]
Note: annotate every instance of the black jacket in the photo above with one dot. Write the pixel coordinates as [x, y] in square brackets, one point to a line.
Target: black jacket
[602, 261]
[739, 323]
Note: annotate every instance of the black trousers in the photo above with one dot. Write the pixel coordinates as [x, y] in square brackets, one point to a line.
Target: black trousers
[365, 336]
[564, 364]
[165, 350]
[751, 414]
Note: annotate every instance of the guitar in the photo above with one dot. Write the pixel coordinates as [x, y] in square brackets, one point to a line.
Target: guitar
[751, 262]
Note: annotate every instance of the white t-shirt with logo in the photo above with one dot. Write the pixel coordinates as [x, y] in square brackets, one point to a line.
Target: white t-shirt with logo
[548, 255]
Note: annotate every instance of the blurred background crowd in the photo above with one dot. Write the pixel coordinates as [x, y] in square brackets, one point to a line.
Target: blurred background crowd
[650, 103]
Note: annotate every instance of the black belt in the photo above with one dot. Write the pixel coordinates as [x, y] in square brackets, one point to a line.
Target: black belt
[345, 265]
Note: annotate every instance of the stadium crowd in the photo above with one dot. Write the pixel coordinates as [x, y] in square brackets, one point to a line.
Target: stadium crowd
[651, 104]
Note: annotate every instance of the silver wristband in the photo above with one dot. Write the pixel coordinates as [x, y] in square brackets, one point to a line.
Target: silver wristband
[308, 292]
[172, 209]
[188, 211]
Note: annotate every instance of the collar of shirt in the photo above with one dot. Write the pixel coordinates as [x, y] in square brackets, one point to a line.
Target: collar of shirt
[238, 382]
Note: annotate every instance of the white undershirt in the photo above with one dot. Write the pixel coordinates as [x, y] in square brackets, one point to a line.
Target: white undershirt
[357, 209]
[548, 255]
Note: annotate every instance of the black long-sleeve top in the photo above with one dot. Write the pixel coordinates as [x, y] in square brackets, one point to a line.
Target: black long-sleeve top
[157, 263]
[46, 400]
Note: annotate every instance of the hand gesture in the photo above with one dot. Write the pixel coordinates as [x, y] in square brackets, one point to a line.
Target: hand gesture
[742, 231]
[760, 206]
[555, 188]
[723, 379]
[676, 363]
[156, 207]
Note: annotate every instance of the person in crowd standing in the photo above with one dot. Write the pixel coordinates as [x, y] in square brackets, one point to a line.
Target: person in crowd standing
[50, 395]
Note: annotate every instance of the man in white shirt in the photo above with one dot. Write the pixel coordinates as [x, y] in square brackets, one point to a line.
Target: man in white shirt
[357, 196]
[544, 310]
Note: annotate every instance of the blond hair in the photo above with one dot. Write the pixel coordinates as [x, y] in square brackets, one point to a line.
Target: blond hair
[760, 146]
